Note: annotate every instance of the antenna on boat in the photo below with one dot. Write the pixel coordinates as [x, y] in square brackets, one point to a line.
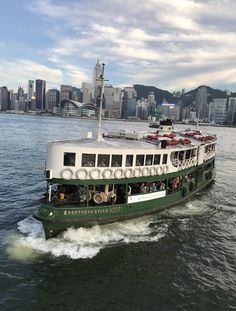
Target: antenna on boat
[101, 79]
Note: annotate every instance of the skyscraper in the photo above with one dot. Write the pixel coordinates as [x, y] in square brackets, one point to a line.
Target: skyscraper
[40, 94]
[4, 98]
[52, 99]
[30, 90]
[97, 72]
[201, 103]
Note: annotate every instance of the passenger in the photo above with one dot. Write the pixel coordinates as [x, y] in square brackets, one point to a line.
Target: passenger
[143, 188]
[153, 187]
[162, 186]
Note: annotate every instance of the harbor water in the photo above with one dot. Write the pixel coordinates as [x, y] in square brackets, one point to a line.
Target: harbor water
[181, 259]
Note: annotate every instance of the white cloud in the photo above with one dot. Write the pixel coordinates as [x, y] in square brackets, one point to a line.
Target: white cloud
[166, 43]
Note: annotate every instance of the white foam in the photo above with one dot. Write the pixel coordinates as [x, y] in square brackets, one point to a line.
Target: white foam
[192, 208]
[82, 242]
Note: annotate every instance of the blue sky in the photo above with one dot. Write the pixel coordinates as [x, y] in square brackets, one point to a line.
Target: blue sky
[170, 44]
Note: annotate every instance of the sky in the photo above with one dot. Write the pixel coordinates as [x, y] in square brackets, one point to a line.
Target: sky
[170, 44]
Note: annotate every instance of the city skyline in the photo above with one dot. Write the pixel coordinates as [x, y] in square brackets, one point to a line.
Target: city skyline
[167, 44]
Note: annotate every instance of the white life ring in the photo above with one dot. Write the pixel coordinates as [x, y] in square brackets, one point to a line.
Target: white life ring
[118, 173]
[107, 173]
[99, 198]
[95, 173]
[152, 171]
[128, 172]
[145, 171]
[67, 173]
[82, 174]
[165, 169]
[137, 172]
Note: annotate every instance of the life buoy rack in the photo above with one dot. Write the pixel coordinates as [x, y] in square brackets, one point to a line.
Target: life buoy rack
[165, 169]
[98, 198]
[107, 173]
[128, 172]
[67, 173]
[145, 171]
[137, 172]
[184, 192]
[95, 173]
[82, 174]
[118, 173]
[152, 171]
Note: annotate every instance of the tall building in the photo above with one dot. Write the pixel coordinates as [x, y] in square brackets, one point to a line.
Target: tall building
[30, 90]
[97, 72]
[87, 89]
[231, 113]
[77, 94]
[217, 110]
[201, 103]
[151, 103]
[4, 98]
[112, 98]
[20, 94]
[40, 94]
[66, 92]
[129, 101]
[52, 99]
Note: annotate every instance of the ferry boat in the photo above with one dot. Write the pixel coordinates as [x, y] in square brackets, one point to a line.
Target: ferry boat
[123, 175]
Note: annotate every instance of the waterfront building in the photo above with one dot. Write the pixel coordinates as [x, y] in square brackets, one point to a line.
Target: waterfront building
[170, 110]
[77, 94]
[231, 113]
[151, 103]
[20, 94]
[112, 102]
[129, 101]
[142, 109]
[66, 92]
[201, 103]
[40, 94]
[30, 90]
[52, 99]
[4, 98]
[87, 89]
[218, 110]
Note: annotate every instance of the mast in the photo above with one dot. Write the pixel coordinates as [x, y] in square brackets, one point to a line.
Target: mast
[100, 138]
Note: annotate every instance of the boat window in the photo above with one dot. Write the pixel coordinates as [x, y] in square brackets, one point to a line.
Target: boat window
[149, 159]
[116, 160]
[187, 155]
[164, 159]
[157, 159]
[139, 159]
[129, 160]
[103, 160]
[88, 159]
[193, 153]
[181, 155]
[69, 159]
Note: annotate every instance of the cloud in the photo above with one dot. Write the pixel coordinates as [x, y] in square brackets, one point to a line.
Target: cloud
[166, 43]
[26, 69]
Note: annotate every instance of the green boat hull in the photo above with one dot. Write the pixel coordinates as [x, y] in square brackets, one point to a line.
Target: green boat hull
[56, 219]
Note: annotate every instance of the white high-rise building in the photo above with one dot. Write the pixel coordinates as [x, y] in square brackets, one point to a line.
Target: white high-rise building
[112, 97]
[201, 103]
[30, 90]
[217, 110]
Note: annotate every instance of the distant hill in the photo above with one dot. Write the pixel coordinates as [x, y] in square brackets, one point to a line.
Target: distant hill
[187, 99]
[160, 95]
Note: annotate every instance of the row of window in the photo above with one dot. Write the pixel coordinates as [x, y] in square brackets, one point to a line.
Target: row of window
[210, 148]
[114, 160]
[184, 154]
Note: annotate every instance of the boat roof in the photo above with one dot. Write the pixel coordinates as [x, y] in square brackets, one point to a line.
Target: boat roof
[140, 143]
